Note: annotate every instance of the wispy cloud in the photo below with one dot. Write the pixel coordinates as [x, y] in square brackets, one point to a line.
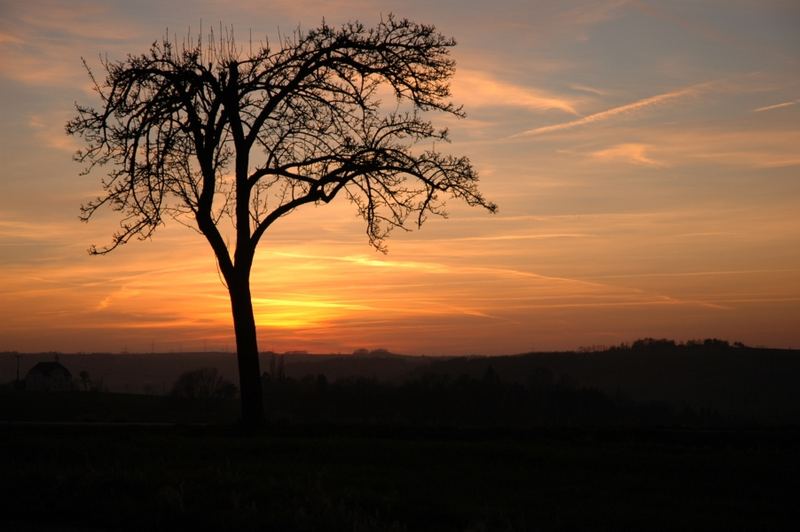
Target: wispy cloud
[632, 153]
[7, 38]
[590, 90]
[628, 108]
[362, 260]
[34, 231]
[50, 131]
[41, 42]
[498, 238]
[685, 145]
[710, 273]
[589, 14]
[479, 89]
[776, 106]
[753, 148]
[693, 25]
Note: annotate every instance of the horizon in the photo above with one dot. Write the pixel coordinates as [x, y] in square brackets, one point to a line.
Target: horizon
[382, 352]
[643, 156]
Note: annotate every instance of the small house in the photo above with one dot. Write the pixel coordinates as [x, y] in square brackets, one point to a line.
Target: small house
[48, 377]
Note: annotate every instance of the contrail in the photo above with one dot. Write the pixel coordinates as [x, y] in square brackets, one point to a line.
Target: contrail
[622, 109]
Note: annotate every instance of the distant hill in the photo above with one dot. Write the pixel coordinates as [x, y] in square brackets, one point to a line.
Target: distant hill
[755, 383]
[747, 383]
[154, 373]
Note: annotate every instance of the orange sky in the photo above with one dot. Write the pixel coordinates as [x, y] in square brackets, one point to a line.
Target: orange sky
[643, 155]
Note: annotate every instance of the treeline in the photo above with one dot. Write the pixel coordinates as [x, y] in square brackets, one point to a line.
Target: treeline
[648, 382]
[651, 381]
[755, 385]
[439, 400]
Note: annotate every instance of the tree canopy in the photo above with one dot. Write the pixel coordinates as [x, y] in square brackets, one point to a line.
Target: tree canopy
[296, 125]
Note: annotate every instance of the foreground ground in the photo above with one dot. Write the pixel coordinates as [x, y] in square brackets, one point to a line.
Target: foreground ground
[84, 477]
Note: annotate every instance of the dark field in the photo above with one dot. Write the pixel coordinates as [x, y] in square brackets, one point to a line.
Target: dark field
[654, 436]
[66, 477]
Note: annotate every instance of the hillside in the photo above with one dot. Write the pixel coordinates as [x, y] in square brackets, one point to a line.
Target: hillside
[755, 384]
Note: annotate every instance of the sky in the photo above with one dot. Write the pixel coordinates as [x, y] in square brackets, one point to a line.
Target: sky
[644, 156]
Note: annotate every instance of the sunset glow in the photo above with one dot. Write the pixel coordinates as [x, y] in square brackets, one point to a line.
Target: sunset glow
[644, 156]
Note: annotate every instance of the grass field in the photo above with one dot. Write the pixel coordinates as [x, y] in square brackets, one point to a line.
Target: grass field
[62, 477]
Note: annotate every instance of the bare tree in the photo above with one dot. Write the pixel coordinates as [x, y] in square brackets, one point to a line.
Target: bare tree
[219, 139]
[203, 383]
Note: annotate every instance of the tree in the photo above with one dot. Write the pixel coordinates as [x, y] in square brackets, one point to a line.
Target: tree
[86, 380]
[203, 383]
[220, 140]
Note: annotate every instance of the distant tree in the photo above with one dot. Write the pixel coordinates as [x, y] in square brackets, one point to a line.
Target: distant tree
[653, 344]
[380, 352]
[321, 384]
[220, 140]
[540, 378]
[86, 380]
[204, 383]
[716, 343]
[490, 376]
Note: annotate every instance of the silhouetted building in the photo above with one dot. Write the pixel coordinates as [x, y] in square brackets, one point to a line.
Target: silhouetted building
[48, 377]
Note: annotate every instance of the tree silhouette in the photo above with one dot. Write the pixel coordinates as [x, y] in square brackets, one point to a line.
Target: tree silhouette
[203, 383]
[86, 380]
[223, 140]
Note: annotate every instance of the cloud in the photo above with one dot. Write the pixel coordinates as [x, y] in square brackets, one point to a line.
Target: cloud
[632, 152]
[710, 273]
[41, 42]
[587, 15]
[480, 89]
[362, 260]
[7, 38]
[498, 238]
[776, 106]
[692, 25]
[38, 231]
[590, 90]
[104, 303]
[50, 131]
[628, 108]
[77, 20]
[742, 148]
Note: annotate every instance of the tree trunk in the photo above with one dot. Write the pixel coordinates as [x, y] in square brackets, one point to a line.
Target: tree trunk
[244, 324]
